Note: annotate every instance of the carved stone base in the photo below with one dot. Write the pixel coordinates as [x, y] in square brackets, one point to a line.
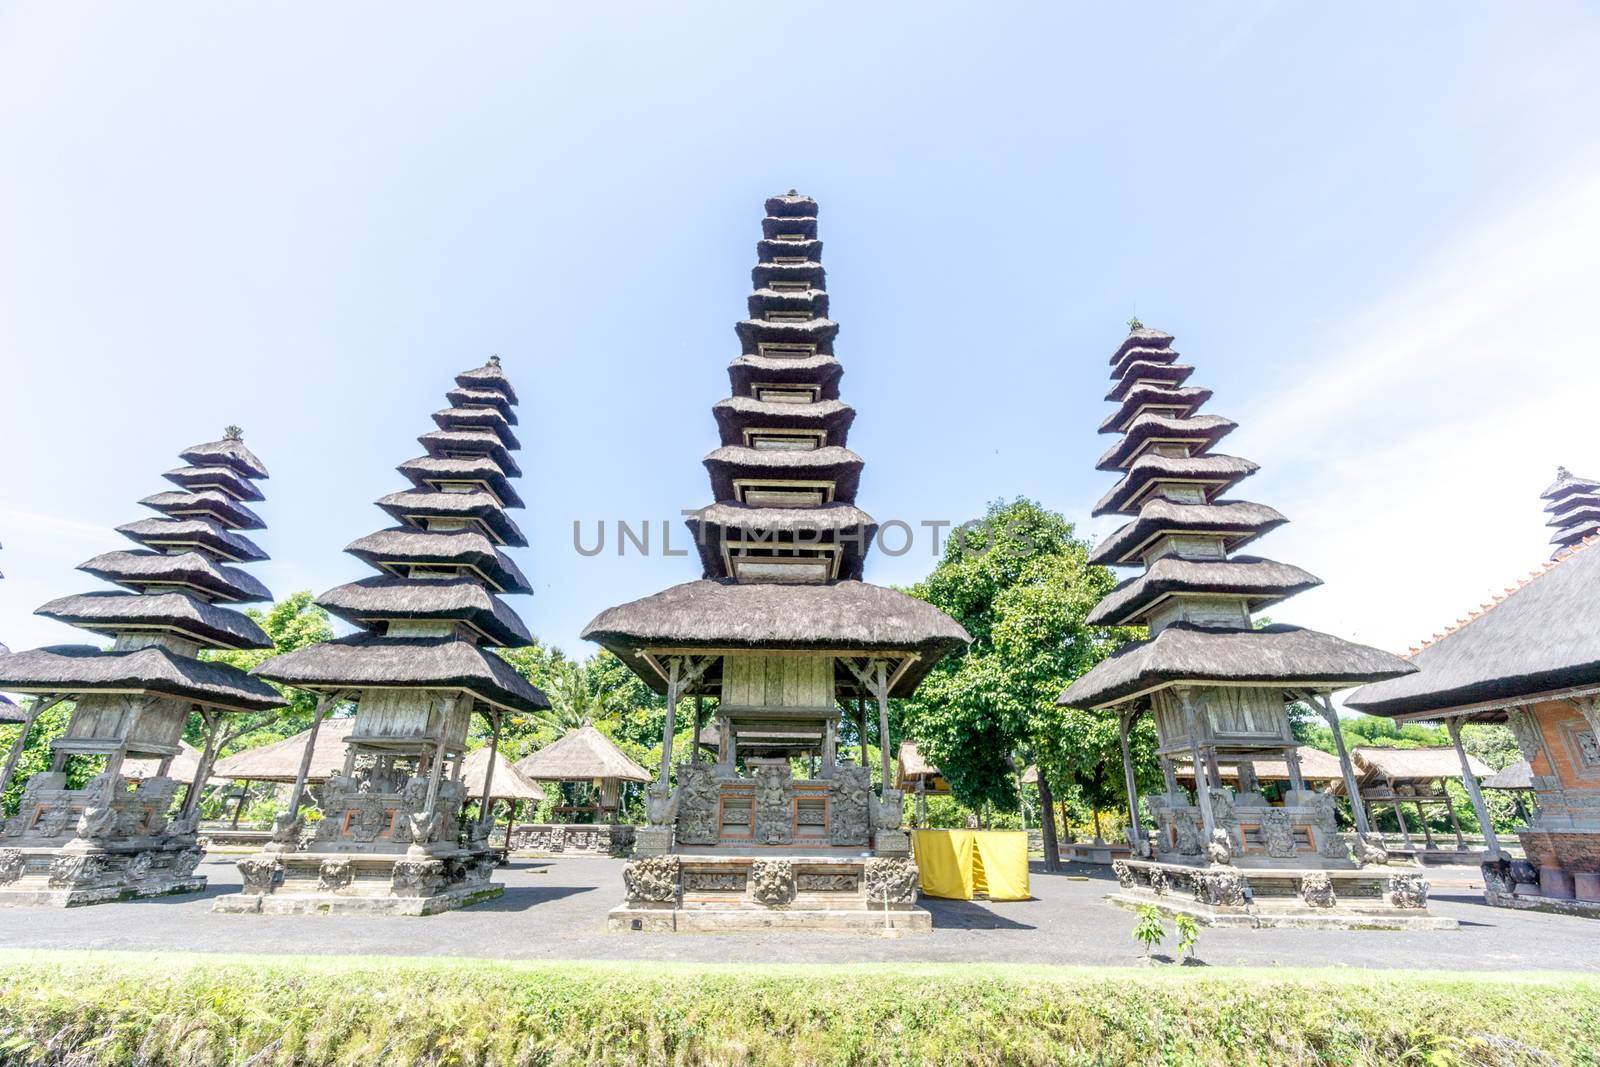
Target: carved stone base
[71, 876]
[347, 883]
[652, 841]
[574, 839]
[892, 843]
[1373, 898]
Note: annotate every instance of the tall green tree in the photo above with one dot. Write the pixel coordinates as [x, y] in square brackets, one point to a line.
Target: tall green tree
[292, 623]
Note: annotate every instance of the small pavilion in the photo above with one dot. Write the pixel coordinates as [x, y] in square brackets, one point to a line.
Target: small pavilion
[587, 756]
[786, 638]
[391, 839]
[1530, 659]
[914, 774]
[1217, 685]
[87, 831]
[1318, 769]
[490, 778]
[1517, 780]
[1415, 777]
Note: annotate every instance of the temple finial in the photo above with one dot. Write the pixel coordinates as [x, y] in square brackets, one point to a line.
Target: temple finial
[494, 360]
[1562, 473]
[232, 433]
[1135, 324]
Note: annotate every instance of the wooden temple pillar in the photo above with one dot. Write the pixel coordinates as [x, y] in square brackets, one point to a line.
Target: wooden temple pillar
[486, 807]
[699, 724]
[1455, 821]
[1135, 828]
[1399, 813]
[1352, 788]
[674, 692]
[1474, 793]
[880, 692]
[1427, 831]
[1202, 791]
[324, 702]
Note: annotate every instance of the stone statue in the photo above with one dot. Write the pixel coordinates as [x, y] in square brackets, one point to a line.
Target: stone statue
[774, 806]
[1278, 834]
[334, 875]
[888, 811]
[849, 793]
[1407, 891]
[97, 823]
[1497, 877]
[1220, 850]
[260, 873]
[1316, 889]
[1123, 872]
[414, 877]
[12, 862]
[772, 882]
[697, 805]
[1221, 889]
[1369, 851]
[661, 804]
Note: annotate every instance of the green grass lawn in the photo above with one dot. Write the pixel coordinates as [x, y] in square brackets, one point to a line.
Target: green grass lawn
[87, 1008]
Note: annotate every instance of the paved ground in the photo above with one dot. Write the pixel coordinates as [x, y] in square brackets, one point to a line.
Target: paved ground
[556, 909]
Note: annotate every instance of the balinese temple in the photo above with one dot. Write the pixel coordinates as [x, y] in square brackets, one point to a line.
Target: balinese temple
[1530, 658]
[1217, 685]
[391, 838]
[86, 832]
[1574, 507]
[782, 634]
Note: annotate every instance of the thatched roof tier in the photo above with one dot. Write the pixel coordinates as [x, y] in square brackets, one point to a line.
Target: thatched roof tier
[1403, 765]
[1565, 485]
[1183, 653]
[1574, 504]
[470, 398]
[813, 301]
[844, 525]
[748, 371]
[1237, 522]
[369, 661]
[211, 504]
[508, 783]
[774, 227]
[280, 761]
[911, 764]
[1539, 639]
[1143, 372]
[215, 476]
[581, 755]
[429, 472]
[1174, 402]
[491, 376]
[142, 571]
[178, 613]
[416, 506]
[1215, 474]
[1517, 776]
[1252, 579]
[1585, 508]
[9, 712]
[811, 274]
[478, 418]
[838, 465]
[737, 414]
[846, 616]
[457, 443]
[753, 333]
[1142, 338]
[773, 249]
[372, 602]
[397, 550]
[1575, 534]
[791, 205]
[72, 669]
[1197, 432]
[197, 534]
[229, 452]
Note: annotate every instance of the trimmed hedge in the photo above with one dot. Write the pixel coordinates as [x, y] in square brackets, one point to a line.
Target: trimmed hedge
[124, 1008]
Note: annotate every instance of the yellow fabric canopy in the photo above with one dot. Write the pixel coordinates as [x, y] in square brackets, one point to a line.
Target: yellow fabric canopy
[962, 864]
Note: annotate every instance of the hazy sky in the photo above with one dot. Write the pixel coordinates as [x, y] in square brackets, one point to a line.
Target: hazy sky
[1375, 228]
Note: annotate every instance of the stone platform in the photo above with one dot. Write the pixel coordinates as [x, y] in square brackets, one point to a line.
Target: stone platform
[72, 876]
[573, 839]
[1369, 898]
[335, 883]
[782, 889]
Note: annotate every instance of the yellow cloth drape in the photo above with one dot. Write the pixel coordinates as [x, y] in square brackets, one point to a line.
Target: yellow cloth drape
[961, 864]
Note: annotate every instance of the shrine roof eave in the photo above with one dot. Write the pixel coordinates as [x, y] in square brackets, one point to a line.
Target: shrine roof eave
[73, 669]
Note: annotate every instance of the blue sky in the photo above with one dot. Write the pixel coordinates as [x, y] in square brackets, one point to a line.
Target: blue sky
[1374, 228]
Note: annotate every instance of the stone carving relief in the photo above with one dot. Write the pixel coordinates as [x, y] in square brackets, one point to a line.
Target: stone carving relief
[888, 811]
[698, 805]
[1158, 881]
[1221, 889]
[827, 883]
[1369, 851]
[774, 806]
[1317, 890]
[1277, 833]
[368, 821]
[12, 862]
[1496, 878]
[849, 791]
[1525, 731]
[73, 870]
[98, 823]
[1220, 850]
[713, 882]
[139, 866]
[772, 882]
[653, 879]
[1407, 891]
[661, 804]
[895, 880]
[334, 875]
[184, 863]
[1123, 872]
[260, 873]
[416, 878]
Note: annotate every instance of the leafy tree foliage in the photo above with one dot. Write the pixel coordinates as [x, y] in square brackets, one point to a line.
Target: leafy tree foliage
[292, 623]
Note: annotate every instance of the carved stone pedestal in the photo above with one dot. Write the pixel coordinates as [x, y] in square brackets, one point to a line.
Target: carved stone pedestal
[342, 883]
[574, 839]
[892, 843]
[652, 841]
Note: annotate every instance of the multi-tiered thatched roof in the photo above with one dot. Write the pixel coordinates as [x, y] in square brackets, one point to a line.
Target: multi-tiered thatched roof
[1195, 594]
[1574, 506]
[783, 545]
[431, 614]
[179, 588]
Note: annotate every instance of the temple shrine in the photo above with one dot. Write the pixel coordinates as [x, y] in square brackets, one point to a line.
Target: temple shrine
[1219, 686]
[1574, 506]
[391, 838]
[86, 831]
[786, 640]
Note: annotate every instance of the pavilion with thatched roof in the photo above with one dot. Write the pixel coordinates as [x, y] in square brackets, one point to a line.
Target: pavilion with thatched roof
[116, 836]
[1416, 777]
[782, 632]
[587, 756]
[1217, 685]
[1529, 659]
[915, 775]
[391, 838]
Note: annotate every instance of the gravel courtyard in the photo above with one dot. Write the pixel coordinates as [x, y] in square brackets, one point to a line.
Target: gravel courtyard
[556, 909]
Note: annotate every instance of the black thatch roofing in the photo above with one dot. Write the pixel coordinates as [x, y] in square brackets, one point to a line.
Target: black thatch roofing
[462, 398]
[410, 505]
[470, 443]
[1567, 483]
[761, 301]
[107, 612]
[1576, 534]
[427, 472]
[1141, 338]
[217, 476]
[1187, 399]
[1260, 581]
[1239, 521]
[755, 332]
[844, 616]
[466, 548]
[745, 372]
[839, 465]
[86, 669]
[228, 452]
[478, 418]
[736, 414]
[791, 205]
[1286, 655]
[372, 661]
[214, 504]
[1198, 431]
[197, 533]
[1171, 375]
[843, 525]
[774, 226]
[769, 249]
[1539, 638]
[490, 376]
[763, 275]
[144, 570]
[381, 599]
[1133, 356]
[1584, 508]
[1218, 473]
